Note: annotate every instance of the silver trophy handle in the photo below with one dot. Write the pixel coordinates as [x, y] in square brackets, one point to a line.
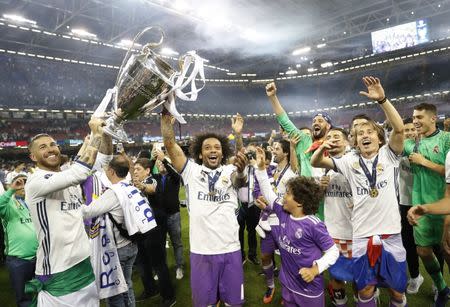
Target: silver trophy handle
[146, 49]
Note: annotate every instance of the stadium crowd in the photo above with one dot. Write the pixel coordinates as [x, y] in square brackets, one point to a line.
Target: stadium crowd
[34, 83]
[356, 203]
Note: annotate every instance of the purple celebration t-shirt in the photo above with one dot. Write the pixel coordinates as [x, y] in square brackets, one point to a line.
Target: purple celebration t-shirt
[301, 241]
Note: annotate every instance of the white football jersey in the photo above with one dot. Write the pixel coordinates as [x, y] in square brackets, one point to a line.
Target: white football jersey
[373, 215]
[338, 206]
[55, 200]
[280, 183]
[213, 226]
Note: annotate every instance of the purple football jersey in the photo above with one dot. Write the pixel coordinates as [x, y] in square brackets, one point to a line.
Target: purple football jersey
[301, 242]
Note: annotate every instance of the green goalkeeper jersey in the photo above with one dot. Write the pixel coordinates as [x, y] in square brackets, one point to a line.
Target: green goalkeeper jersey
[428, 186]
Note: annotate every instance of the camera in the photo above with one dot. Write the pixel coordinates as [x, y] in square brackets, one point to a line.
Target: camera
[119, 148]
[251, 155]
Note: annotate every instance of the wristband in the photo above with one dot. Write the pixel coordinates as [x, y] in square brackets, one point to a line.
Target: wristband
[382, 100]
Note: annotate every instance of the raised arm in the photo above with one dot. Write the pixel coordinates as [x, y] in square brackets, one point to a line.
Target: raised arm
[293, 141]
[319, 160]
[75, 174]
[263, 179]
[6, 196]
[273, 134]
[174, 151]
[271, 91]
[376, 92]
[90, 153]
[237, 123]
[238, 177]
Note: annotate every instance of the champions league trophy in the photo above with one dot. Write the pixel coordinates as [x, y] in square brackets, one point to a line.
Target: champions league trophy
[145, 81]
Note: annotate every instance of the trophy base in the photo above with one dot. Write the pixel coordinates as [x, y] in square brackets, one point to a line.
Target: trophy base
[117, 133]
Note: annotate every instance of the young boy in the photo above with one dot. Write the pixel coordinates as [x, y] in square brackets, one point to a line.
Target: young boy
[301, 236]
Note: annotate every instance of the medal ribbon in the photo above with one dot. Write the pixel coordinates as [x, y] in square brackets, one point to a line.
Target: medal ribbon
[371, 177]
[277, 182]
[212, 181]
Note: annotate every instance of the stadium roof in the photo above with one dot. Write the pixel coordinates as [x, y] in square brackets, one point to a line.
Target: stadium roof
[244, 38]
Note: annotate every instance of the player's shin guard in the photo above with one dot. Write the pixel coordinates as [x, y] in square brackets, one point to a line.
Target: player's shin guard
[433, 268]
[366, 302]
[268, 273]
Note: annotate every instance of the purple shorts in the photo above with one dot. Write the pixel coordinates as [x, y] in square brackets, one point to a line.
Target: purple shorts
[292, 299]
[269, 244]
[217, 277]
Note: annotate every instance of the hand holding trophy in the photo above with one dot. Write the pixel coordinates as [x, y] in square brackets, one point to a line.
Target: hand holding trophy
[145, 81]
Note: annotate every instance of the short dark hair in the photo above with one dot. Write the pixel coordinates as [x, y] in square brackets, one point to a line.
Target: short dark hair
[427, 107]
[408, 120]
[360, 116]
[286, 147]
[341, 130]
[268, 154]
[144, 162]
[197, 143]
[120, 166]
[307, 192]
[17, 163]
[36, 137]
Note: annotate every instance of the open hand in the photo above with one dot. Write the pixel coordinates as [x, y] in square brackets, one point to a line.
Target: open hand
[240, 161]
[294, 139]
[96, 124]
[18, 184]
[374, 89]
[237, 123]
[260, 158]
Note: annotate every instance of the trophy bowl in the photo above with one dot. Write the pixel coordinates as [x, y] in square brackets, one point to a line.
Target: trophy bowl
[143, 84]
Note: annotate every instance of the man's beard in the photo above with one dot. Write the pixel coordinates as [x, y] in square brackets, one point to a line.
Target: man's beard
[319, 134]
[44, 163]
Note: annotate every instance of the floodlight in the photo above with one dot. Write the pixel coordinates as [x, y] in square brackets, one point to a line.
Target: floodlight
[326, 64]
[321, 45]
[18, 18]
[301, 50]
[82, 32]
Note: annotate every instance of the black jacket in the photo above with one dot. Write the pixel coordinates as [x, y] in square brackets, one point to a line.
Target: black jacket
[165, 201]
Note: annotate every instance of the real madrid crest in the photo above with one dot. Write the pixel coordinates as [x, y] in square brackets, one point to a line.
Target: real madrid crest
[225, 180]
[299, 233]
[356, 165]
[380, 168]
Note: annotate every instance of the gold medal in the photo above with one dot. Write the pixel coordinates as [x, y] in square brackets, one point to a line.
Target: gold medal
[373, 192]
